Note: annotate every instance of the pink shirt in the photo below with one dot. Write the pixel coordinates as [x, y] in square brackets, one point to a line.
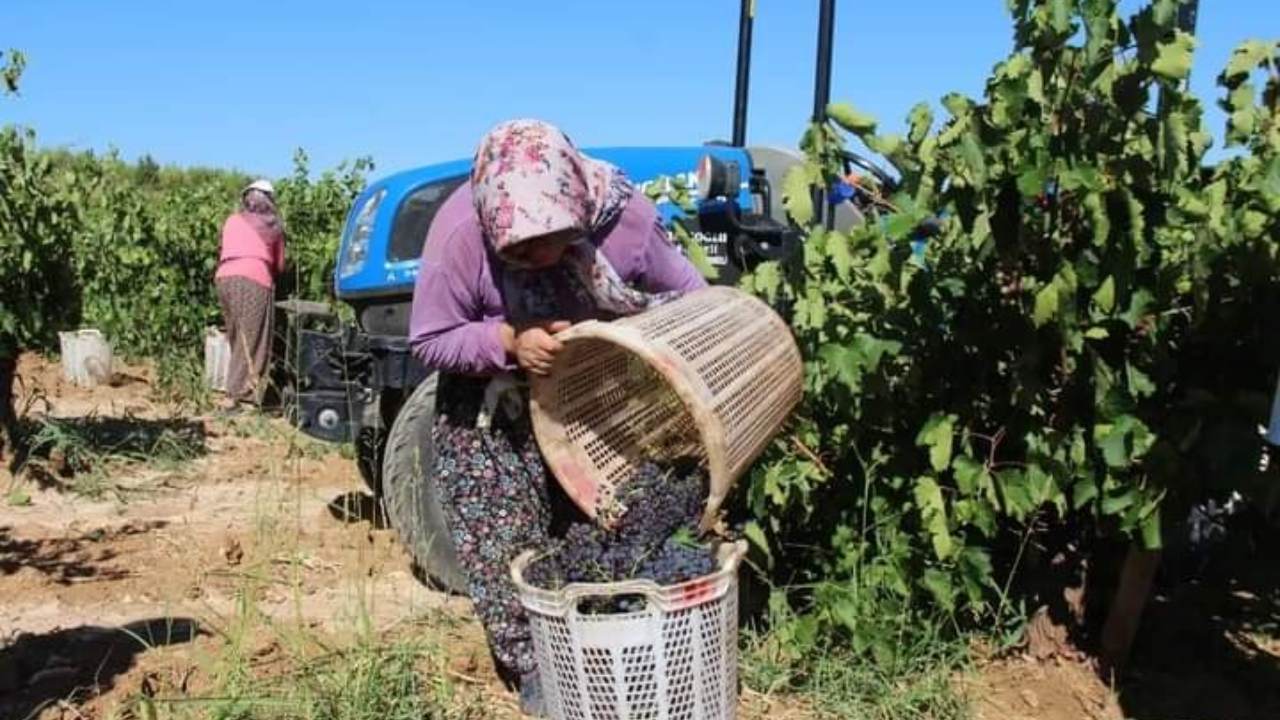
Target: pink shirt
[250, 250]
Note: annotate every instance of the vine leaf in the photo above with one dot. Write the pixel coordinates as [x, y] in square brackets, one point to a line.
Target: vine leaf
[933, 513]
[797, 194]
[1173, 58]
[851, 119]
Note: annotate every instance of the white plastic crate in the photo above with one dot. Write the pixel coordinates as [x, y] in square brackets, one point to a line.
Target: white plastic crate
[86, 357]
[217, 359]
[677, 659]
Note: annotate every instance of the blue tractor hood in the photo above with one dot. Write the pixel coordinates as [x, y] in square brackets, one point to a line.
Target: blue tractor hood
[383, 235]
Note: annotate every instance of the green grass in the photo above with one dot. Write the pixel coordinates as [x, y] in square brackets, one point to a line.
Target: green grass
[125, 438]
[912, 676]
[368, 681]
[86, 455]
[838, 683]
[180, 380]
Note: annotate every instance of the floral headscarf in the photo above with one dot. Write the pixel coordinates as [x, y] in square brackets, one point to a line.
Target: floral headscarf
[528, 180]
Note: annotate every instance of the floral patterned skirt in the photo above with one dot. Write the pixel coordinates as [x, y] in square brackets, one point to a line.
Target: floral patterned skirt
[496, 503]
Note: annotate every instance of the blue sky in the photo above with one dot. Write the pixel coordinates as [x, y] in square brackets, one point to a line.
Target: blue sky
[409, 83]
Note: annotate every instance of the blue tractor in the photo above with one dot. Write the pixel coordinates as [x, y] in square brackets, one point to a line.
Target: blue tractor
[360, 384]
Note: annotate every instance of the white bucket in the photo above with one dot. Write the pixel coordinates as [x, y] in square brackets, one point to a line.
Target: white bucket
[86, 357]
[677, 659]
[217, 359]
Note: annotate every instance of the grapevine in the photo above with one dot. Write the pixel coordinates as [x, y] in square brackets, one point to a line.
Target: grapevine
[1052, 363]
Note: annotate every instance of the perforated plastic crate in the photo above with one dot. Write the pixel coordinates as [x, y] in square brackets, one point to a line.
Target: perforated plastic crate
[676, 659]
[712, 376]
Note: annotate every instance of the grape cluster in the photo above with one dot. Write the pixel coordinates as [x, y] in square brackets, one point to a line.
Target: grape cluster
[653, 535]
[676, 561]
[656, 500]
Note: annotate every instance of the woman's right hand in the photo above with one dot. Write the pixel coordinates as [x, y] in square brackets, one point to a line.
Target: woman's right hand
[534, 347]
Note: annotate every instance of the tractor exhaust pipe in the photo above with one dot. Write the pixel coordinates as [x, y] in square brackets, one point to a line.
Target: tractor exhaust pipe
[822, 79]
[746, 18]
[822, 91]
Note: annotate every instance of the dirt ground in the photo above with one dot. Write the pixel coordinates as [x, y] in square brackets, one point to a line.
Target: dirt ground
[169, 554]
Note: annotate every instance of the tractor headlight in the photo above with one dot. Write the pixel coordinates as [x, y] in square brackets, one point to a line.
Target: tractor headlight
[716, 178]
[357, 252]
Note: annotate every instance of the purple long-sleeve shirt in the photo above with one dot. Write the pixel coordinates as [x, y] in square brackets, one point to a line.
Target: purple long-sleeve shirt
[457, 309]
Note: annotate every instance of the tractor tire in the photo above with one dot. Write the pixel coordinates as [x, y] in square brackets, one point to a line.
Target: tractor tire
[410, 495]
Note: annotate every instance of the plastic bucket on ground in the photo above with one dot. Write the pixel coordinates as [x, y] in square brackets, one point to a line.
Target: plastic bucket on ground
[217, 359]
[677, 659]
[86, 357]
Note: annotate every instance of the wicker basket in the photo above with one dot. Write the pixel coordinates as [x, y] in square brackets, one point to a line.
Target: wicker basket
[712, 376]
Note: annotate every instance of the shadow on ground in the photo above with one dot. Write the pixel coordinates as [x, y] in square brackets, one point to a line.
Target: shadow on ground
[53, 449]
[356, 506]
[67, 560]
[73, 665]
[1209, 647]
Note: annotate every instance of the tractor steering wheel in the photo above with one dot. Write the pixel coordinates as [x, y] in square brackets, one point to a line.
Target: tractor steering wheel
[853, 159]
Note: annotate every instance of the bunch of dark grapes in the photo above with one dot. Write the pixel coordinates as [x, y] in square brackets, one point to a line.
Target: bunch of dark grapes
[676, 561]
[659, 500]
[654, 536]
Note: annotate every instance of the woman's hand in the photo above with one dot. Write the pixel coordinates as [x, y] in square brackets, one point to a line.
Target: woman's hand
[534, 347]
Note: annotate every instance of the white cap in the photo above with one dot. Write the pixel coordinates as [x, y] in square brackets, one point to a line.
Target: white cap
[262, 185]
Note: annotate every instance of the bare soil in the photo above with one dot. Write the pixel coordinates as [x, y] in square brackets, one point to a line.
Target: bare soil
[168, 553]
